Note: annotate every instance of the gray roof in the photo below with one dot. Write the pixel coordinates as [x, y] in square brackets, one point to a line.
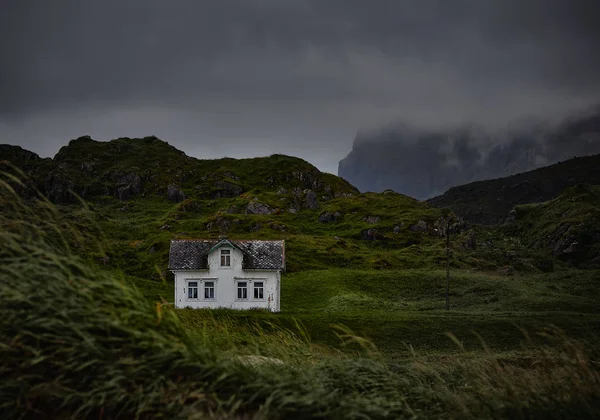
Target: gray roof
[258, 255]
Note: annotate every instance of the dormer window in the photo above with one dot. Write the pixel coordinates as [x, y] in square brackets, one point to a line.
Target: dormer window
[225, 258]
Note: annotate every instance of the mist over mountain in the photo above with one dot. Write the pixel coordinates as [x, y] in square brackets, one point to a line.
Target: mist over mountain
[423, 163]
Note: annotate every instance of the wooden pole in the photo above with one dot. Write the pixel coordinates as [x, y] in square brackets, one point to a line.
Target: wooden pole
[448, 264]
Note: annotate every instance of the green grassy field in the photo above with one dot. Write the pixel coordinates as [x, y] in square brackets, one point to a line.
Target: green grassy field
[87, 328]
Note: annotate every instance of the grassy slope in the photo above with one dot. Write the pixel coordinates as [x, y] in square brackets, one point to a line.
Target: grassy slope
[489, 202]
[139, 357]
[333, 276]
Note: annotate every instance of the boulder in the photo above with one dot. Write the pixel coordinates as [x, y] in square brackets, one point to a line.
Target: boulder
[471, 241]
[328, 217]
[191, 205]
[255, 227]
[233, 209]
[226, 189]
[311, 199]
[420, 226]
[397, 229]
[175, 194]
[255, 207]
[372, 219]
[371, 235]
[277, 226]
[58, 186]
[128, 185]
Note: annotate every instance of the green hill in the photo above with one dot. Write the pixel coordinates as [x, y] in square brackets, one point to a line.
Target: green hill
[489, 202]
[362, 334]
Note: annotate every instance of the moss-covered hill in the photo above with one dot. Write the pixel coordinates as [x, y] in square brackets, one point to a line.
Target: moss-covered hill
[126, 168]
[489, 202]
[567, 227]
[142, 193]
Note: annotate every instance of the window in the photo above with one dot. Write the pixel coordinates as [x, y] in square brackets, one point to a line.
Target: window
[209, 290]
[259, 290]
[192, 290]
[225, 258]
[242, 290]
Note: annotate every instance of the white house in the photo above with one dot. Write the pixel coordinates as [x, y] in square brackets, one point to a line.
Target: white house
[225, 273]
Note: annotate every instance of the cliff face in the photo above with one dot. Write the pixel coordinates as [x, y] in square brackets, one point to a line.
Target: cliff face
[424, 164]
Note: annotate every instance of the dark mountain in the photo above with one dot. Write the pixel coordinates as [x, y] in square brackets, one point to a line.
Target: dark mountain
[125, 168]
[423, 164]
[490, 202]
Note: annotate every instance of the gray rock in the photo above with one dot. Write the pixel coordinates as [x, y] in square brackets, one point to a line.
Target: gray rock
[277, 226]
[225, 189]
[255, 227]
[471, 242]
[328, 217]
[191, 206]
[371, 235]
[128, 186]
[255, 207]
[372, 219]
[421, 226]
[397, 229]
[233, 209]
[175, 194]
[281, 190]
[311, 199]
[230, 175]
[293, 210]
[165, 227]
[58, 186]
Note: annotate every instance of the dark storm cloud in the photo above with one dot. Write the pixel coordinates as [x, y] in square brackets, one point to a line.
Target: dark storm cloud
[273, 71]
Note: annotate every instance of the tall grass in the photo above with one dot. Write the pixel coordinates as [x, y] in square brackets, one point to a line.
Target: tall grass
[77, 342]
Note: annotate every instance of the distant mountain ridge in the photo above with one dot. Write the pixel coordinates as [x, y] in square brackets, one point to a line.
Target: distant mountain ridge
[126, 167]
[490, 202]
[425, 163]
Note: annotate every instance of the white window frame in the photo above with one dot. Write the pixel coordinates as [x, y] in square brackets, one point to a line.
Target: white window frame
[237, 289]
[254, 288]
[227, 257]
[214, 289]
[187, 289]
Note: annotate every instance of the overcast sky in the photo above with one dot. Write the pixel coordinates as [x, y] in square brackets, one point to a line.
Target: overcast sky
[254, 77]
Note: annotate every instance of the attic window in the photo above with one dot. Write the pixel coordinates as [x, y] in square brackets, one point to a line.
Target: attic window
[225, 258]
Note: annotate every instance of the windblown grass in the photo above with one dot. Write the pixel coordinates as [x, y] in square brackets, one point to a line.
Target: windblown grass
[78, 342]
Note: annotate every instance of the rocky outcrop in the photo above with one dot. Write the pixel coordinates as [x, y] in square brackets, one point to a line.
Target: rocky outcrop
[372, 220]
[175, 194]
[254, 207]
[58, 187]
[329, 217]
[371, 235]
[277, 226]
[311, 199]
[225, 189]
[128, 186]
[420, 226]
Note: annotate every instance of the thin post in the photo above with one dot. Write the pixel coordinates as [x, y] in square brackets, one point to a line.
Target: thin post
[448, 264]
